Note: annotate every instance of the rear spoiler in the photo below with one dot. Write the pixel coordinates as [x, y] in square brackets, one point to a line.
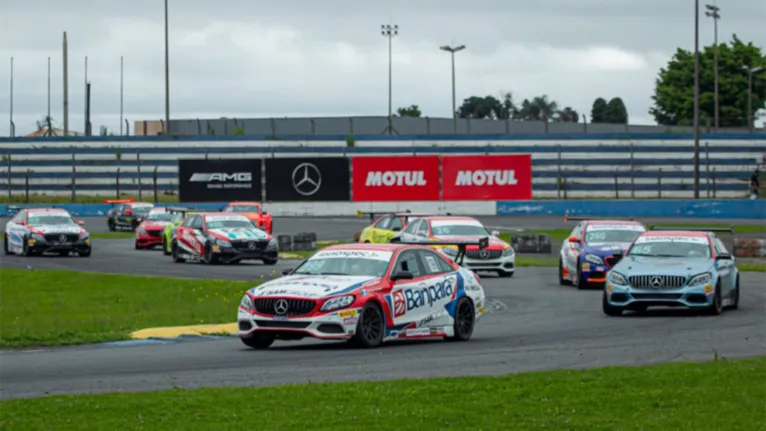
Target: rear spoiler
[406, 213]
[461, 246]
[694, 229]
[118, 201]
[181, 210]
[568, 218]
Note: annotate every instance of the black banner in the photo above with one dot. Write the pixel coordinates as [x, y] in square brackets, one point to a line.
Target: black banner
[202, 180]
[315, 179]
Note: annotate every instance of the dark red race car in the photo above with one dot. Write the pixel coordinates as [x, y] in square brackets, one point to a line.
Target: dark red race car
[149, 232]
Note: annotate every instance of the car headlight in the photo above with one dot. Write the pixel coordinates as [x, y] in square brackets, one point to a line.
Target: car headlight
[618, 278]
[703, 278]
[508, 252]
[336, 303]
[84, 235]
[38, 237]
[449, 251]
[246, 303]
[272, 245]
[592, 258]
[221, 242]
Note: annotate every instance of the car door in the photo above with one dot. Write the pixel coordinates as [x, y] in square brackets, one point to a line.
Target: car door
[16, 229]
[380, 232]
[188, 237]
[444, 279]
[725, 268]
[571, 251]
[409, 297]
[408, 234]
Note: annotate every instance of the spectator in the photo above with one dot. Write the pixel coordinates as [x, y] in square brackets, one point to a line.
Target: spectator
[755, 184]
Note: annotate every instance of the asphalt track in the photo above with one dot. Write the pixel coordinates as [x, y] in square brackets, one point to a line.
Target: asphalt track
[543, 326]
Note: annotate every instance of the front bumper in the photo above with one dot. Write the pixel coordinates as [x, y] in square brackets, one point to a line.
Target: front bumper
[699, 296]
[503, 263]
[332, 325]
[149, 240]
[593, 273]
[231, 254]
[42, 246]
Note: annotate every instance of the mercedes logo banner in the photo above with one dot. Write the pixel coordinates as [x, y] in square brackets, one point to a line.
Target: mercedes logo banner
[308, 179]
[219, 180]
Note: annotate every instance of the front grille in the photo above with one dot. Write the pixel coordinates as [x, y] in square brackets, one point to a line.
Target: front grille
[657, 281]
[488, 254]
[156, 233]
[295, 307]
[282, 324]
[669, 296]
[244, 245]
[56, 237]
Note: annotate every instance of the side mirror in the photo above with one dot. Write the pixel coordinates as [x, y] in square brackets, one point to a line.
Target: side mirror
[495, 233]
[287, 271]
[723, 256]
[265, 213]
[396, 229]
[81, 222]
[573, 239]
[616, 257]
[402, 275]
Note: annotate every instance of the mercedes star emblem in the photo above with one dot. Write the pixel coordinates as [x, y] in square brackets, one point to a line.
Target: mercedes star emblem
[280, 307]
[251, 245]
[484, 254]
[656, 282]
[62, 238]
[306, 179]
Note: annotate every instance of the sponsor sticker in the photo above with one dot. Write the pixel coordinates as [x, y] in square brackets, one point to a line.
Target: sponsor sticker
[348, 313]
[351, 321]
[354, 254]
[666, 238]
[428, 296]
[400, 304]
[631, 227]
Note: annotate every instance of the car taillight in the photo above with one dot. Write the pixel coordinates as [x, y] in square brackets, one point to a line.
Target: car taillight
[128, 212]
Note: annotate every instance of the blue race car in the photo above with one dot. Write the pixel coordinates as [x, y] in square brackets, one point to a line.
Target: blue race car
[586, 256]
[673, 267]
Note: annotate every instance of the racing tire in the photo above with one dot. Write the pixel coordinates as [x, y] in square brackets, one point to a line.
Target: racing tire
[270, 261]
[735, 296]
[110, 224]
[465, 320]
[25, 251]
[174, 253]
[609, 309]
[138, 247]
[371, 327]
[258, 341]
[581, 284]
[165, 249]
[717, 307]
[208, 258]
[6, 249]
[505, 274]
[562, 280]
[84, 253]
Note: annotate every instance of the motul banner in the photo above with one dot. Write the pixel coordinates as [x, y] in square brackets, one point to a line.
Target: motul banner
[494, 178]
[410, 178]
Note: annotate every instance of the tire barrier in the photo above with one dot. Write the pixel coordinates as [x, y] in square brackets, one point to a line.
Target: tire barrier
[298, 242]
[531, 243]
[749, 247]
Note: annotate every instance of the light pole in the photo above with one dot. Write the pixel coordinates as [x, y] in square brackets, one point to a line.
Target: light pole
[696, 99]
[750, 71]
[389, 31]
[166, 130]
[712, 12]
[452, 51]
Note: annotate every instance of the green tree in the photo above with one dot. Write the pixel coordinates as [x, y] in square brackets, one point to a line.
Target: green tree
[538, 109]
[410, 111]
[616, 112]
[674, 88]
[597, 111]
[567, 115]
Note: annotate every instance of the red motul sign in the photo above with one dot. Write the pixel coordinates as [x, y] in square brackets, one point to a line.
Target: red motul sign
[495, 178]
[411, 178]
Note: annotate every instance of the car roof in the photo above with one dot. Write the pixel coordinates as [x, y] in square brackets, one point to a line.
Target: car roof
[369, 246]
[245, 203]
[695, 234]
[140, 203]
[615, 222]
[446, 218]
[46, 210]
[219, 213]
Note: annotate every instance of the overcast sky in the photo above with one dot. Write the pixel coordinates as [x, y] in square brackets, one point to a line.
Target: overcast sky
[250, 58]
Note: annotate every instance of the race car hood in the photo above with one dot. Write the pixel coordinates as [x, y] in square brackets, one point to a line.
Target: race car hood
[641, 265]
[311, 286]
[494, 243]
[56, 228]
[602, 249]
[232, 234]
[153, 225]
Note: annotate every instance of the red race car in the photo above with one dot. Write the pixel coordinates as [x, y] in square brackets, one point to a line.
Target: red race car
[253, 211]
[149, 232]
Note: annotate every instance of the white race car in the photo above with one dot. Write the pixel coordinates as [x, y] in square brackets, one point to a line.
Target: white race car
[368, 294]
[34, 231]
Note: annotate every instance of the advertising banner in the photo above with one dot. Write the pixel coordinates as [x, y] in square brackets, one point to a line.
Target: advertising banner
[411, 178]
[201, 180]
[301, 179]
[474, 178]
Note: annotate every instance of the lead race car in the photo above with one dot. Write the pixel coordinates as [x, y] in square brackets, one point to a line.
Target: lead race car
[367, 294]
[222, 238]
[586, 256]
[672, 267]
[35, 231]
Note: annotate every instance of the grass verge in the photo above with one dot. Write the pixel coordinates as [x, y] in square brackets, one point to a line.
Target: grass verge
[721, 395]
[50, 307]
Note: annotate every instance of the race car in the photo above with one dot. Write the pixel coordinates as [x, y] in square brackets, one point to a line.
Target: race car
[686, 267]
[383, 226]
[222, 238]
[35, 231]
[149, 232]
[367, 294]
[126, 214]
[178, 215]
[253, 211]
[585, 257]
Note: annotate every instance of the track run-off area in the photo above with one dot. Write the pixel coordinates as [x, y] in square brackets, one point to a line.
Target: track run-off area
[536, 324]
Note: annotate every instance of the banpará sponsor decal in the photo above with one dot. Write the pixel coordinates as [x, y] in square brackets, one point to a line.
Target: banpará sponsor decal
[353, 254]
[427, 296]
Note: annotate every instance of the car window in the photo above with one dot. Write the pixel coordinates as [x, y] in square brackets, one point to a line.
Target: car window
[412, 226]
[408, 261]
[384, 223]
[188, 222]
[422, 229]
[433, 263]
[19, 217]
[719, 246]
[396, 224]
[577, 231]
[196, 222]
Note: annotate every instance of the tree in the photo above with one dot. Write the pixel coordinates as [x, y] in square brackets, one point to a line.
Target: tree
[410, 111]
[616, 112]
[538, 109]
[674, 87]
[567, 115]
[597, 111]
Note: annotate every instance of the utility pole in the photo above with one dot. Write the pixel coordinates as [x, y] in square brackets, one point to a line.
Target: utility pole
[121, 91]
[66, 86]
[389, 31]
[452, 51]
[696, 99]
[712, 12]
[13, 126]
[750, 71]
[166, 130]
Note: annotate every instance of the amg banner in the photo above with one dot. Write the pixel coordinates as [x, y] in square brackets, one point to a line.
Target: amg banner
[315, 179]
[202, 180]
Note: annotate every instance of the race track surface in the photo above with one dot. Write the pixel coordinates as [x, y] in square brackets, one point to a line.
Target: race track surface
[542, 326]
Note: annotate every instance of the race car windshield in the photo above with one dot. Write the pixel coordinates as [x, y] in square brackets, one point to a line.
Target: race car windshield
[459, 230]
[351, 267]
[245, 209]
[49, 219]
[142, 210]
[229, 224]
[670, 249]
[617, 235]
[160, 217]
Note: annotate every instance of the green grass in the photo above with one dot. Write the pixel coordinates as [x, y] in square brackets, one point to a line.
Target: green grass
[113, 235]
[721, 395]
[47, 307]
